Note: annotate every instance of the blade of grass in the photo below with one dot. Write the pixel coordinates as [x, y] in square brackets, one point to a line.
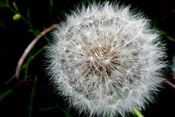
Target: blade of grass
[137, 112]
[28, 17]
[54, 107]
[10, 79]
[51, 7]
[5, 93]
[167, 36]
[31, 99]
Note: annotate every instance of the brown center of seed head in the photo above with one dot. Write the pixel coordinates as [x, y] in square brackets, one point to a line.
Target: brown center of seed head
[103, 60]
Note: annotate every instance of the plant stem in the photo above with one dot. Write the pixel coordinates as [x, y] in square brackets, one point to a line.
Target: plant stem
[30, 46]
[31, 100]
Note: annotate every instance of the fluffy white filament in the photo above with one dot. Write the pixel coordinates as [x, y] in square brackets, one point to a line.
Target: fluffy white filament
[105, 60]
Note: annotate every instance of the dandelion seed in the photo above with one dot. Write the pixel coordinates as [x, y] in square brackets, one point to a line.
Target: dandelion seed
[110, 63]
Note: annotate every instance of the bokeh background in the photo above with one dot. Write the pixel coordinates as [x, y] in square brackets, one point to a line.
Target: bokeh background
[37, 98]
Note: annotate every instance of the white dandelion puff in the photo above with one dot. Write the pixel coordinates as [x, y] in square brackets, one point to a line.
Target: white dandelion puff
[105, 60]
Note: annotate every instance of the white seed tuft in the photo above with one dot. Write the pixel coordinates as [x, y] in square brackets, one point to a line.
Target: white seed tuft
[105, 60]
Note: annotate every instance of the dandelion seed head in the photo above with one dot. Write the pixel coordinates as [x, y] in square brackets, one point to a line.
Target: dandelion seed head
[105, 60]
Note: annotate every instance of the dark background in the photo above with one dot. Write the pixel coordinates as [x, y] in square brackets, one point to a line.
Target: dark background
[14, 38]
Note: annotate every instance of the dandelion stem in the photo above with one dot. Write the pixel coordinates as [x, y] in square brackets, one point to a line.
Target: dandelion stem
[30, 46]
[171, 84]
[164, 18]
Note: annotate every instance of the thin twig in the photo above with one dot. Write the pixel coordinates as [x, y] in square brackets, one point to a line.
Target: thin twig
[29, 48]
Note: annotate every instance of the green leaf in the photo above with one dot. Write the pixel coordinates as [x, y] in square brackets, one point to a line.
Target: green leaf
[137, 112]
[4, 94]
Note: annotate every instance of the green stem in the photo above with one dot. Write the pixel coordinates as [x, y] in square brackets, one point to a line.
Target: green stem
[31, 100]
[51, 7]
